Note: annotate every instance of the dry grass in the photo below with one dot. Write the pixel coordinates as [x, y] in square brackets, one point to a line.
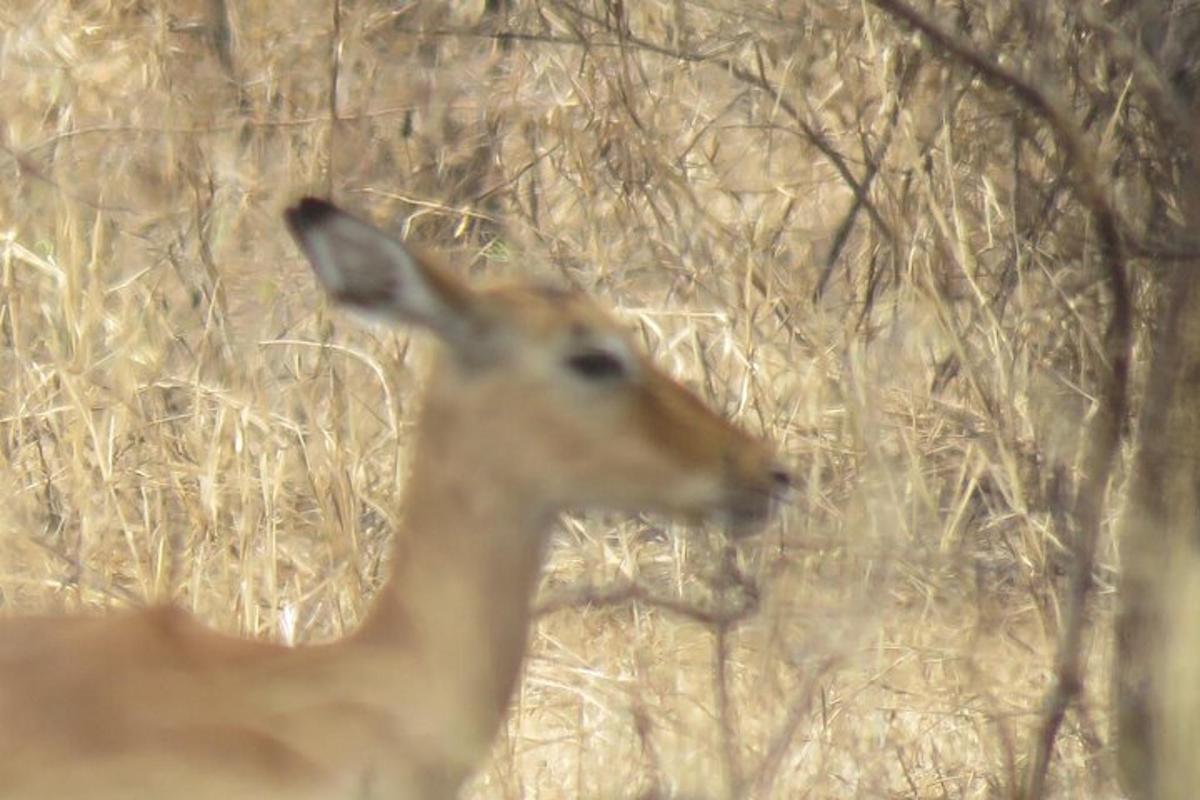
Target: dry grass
[182, 419]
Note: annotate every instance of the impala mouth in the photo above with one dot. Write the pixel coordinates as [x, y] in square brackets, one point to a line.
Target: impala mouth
[750, 508]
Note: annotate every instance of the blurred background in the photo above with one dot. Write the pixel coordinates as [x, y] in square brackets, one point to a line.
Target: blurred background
[868, 250]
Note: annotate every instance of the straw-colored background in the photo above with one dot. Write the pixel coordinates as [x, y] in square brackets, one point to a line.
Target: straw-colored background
[183, 418]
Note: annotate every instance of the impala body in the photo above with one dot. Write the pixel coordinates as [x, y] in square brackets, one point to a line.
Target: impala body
[539, 403]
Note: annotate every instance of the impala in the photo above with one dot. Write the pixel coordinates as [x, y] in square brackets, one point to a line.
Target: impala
[539, 403]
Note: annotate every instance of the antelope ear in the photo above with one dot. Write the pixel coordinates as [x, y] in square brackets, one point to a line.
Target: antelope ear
[372, 273]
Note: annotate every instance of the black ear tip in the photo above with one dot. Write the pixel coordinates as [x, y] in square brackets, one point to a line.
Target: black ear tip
[308, 212]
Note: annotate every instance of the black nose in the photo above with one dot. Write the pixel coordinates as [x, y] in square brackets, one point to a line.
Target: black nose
[782, 479]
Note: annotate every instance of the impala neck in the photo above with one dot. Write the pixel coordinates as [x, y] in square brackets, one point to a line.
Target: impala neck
[464, 570]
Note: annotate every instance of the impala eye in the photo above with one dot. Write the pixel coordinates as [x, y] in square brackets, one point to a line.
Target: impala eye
[597, 365]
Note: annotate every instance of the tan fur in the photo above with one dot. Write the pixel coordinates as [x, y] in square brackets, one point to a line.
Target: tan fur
[152, 704]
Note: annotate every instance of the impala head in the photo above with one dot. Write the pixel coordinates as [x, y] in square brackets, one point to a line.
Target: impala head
[544, 388]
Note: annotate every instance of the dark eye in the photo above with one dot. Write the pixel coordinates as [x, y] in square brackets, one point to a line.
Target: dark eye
[596, 365]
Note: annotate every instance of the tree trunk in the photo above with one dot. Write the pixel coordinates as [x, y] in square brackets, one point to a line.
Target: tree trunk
[1158, 650]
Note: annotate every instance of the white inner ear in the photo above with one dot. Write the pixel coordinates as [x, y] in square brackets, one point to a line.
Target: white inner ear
[377, 278]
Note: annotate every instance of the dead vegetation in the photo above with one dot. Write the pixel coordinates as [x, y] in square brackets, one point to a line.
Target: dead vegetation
[893, 239]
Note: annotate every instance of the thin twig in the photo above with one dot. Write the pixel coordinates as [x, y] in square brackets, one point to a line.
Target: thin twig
[625, 592]
[741, 74]
[335, 61]
[1102, 438]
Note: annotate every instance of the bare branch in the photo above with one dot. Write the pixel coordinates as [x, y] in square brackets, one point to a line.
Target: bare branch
[626, 39]
[1103, 437]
